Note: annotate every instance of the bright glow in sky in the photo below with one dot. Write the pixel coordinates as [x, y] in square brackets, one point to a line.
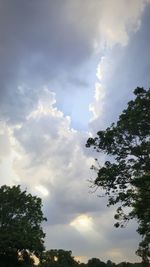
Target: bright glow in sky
[69, 70]
[42, 190]
[82, 223]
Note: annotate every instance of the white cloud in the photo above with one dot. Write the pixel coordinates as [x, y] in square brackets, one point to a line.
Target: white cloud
[43, 191]
[119, 19]
[97, 107]
[83, 223]
[4, 141]
[50, 157]
[111, 22]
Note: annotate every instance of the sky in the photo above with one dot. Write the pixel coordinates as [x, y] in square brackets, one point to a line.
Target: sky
[68, 69]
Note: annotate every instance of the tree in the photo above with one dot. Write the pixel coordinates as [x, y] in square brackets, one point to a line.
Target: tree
[20, 226]
[110, 263]
[58, 258]
[95, 262]
[125, 176]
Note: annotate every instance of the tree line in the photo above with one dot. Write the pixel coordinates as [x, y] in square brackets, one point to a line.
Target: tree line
[63, 258]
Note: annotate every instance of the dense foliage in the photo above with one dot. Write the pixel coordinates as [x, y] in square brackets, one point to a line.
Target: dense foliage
[20, 226]
[125, 175]
[58, 258]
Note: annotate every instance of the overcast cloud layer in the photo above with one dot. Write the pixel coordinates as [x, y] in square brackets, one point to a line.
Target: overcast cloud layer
[67, 69]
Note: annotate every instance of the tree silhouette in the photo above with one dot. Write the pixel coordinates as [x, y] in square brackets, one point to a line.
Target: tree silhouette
[125, 176]
[20, 226]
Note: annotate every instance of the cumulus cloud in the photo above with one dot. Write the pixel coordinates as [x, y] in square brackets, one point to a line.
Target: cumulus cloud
[51, 160]
[47, 50]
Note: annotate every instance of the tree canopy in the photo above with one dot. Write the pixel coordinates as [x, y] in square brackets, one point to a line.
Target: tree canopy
[21, 233]
[64, 258]
[125, 175]
[95, 262]
[58, 258]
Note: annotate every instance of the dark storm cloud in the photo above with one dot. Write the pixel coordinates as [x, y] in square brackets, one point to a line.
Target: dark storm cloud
[39, 41]
[41, 30]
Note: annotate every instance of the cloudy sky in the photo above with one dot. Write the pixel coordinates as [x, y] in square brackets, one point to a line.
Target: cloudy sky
[67, 69]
